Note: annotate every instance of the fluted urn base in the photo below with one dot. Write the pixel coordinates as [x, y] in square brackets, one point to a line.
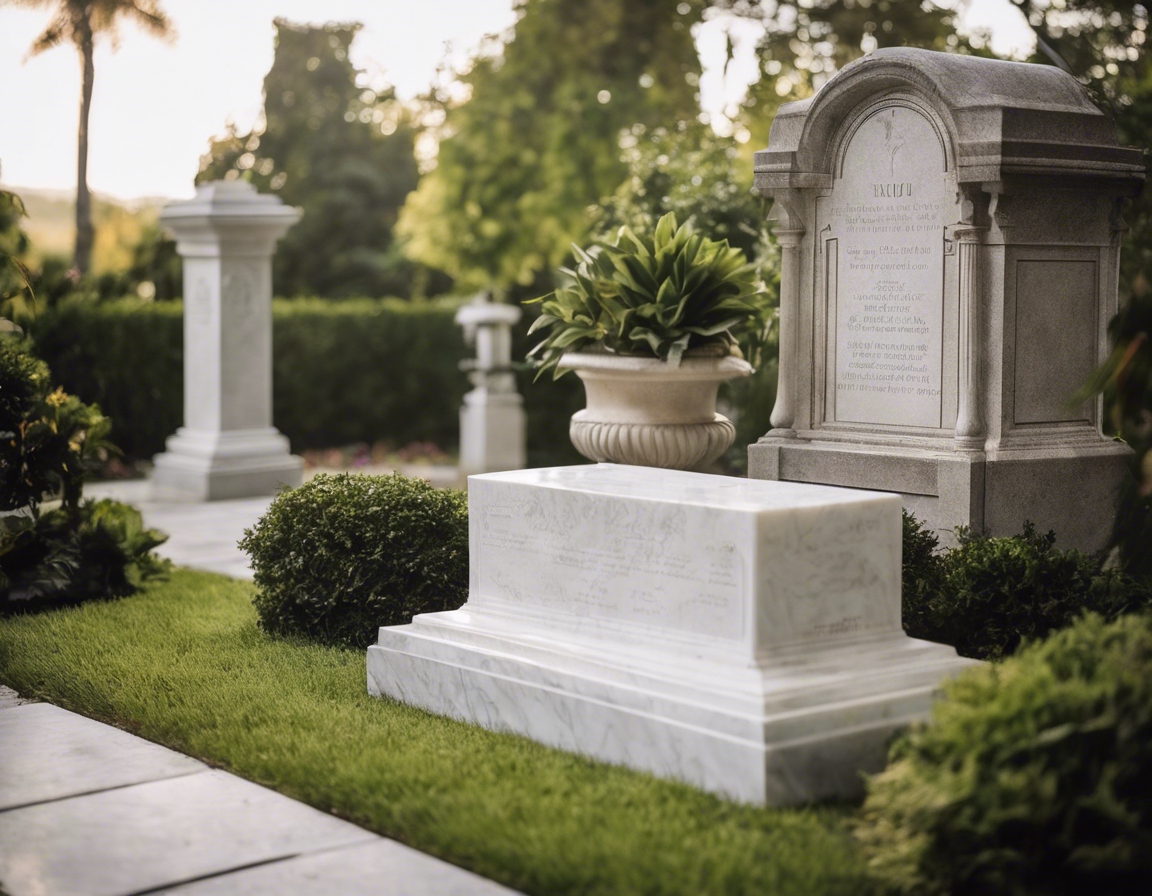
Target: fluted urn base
[644, 412]
[674, 446]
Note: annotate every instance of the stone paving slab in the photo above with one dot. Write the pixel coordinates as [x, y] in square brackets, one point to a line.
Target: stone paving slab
[9, 698]
[50, 753]
[147, 836]
[381, 868]
[86, 808]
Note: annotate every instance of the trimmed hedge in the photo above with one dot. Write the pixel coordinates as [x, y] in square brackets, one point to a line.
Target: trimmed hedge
[342, 555]
[1034, 776]
[351, 371]
[127, 357]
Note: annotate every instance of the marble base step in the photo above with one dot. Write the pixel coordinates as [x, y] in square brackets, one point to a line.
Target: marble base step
[215, 466]
[796, 729]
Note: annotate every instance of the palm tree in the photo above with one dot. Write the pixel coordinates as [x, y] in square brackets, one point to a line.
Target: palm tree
[81, 21]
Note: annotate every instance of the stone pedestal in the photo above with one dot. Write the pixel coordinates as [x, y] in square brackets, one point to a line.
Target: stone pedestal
[950, 235]
[740, 635]
[492, 424]
[227, 447]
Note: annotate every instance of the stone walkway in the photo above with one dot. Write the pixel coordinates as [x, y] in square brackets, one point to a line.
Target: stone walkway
[89, 809]
[86, 808]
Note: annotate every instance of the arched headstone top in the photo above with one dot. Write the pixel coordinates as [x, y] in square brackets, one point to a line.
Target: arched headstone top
[1001, 119]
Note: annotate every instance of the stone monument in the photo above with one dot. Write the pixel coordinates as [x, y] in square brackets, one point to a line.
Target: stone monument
[492, 425]
[737, 634]
[950, 232]
[227, 447]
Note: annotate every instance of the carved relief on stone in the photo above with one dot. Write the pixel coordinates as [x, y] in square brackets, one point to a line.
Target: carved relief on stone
[199, 304]
[238, 290]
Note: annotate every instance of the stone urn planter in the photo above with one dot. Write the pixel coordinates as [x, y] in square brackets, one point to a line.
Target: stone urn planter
[646, 412]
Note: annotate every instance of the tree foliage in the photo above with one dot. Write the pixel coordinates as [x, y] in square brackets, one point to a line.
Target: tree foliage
[15, 278]
[805, 42]
[80, 22]
[695, 174]
[342, 151]
[524, 162]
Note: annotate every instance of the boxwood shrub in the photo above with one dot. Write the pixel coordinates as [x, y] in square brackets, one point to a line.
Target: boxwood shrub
[987, 594]
[1033, 777]
[342, 555]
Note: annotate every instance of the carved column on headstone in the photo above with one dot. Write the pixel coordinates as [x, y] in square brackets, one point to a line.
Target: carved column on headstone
[789, 236]
[970, 412]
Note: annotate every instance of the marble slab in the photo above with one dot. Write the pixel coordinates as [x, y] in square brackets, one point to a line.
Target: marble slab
[885, 257]
[47, 753]
[379, 868]
[741, 635]
[162, 833]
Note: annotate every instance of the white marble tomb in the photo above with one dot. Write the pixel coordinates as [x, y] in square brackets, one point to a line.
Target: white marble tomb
[740, 635]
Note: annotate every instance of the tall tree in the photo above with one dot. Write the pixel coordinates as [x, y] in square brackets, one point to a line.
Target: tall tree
[81, 22]
[525, 160]
[339, 149]
[805, 42]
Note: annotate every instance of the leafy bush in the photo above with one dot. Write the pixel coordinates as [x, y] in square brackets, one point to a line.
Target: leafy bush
[340, 556]
[657, 295]
[48, 440]
[58, 557]
[1034, 776]
[988, 594]
[921, 549]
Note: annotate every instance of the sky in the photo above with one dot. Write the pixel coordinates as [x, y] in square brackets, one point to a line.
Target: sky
[156, 104]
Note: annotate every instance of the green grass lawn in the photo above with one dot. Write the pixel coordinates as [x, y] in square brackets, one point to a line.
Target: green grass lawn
[183, 663]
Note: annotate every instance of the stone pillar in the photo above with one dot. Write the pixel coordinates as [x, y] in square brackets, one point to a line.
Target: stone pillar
[784, 411]
[492, 425]
[227, 447]
[970, 413]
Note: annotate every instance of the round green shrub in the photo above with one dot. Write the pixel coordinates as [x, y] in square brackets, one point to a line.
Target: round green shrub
[987, 595]
[1034, 776]
[342, 555]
